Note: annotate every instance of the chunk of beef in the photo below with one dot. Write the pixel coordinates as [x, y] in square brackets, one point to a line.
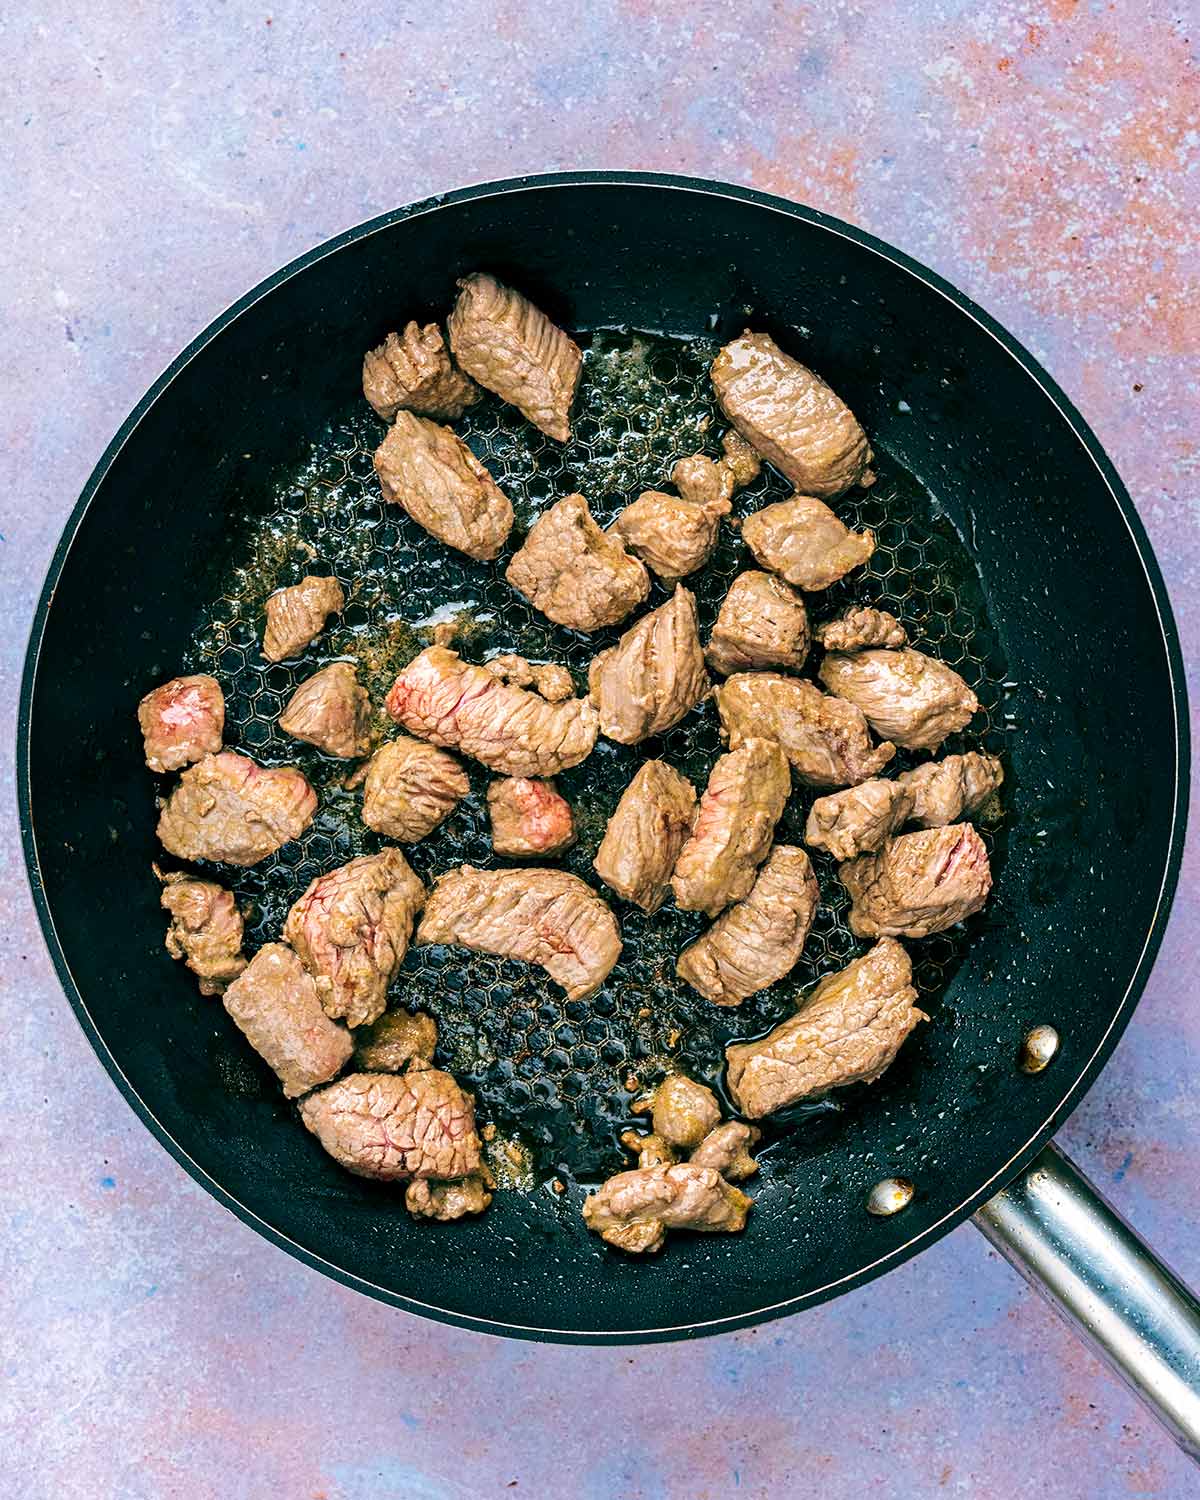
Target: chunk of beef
[671, 534]
[576, 574]
[332, 711]
[529, 817]
[297, 615]
[512, 348]
[848, 1030]
[351, 927]
[230, 810]
[543, 917]
[909, 698]
[918, 883]
[415, 371]
[550, 680]
[634, 1210]
[760, 939]
[392, 1126]
[205, 929]
[650, 1150]
[410, 788]
[389, 1044]
[684, 1111]
[859, 628]
[653, 675]
[645, 834]
[791, 417]
[804, 542]
[740, 459]
[182, 721]
[431, 473]
[762, 623]
[275, 1005]
[704, 481]
[858, 820]
[742, 803]
[825, 739]
[451, 703]
[445, 1201]
[727, 1150]
[943, 790]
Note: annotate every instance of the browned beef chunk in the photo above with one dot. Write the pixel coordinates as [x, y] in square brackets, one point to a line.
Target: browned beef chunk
[742, 803]
[684, 1111]
[389, 1044]
[451, 703]
[727, 1150]
[760, 939]
[544, 917]
[529, 817]
[804, 542]
[634, 1210]
[918, 883]
[509, 346]
[392, 1126]
[762, 623]
[858, 820]
[551, 681]
[434, 476]
[943, 790]
[909, 698]
[275, 1005]
[848, 1030]
[410, 788]
[704, 481]
[351, 927]
[297, 615]
[825, 739]
[671, 534]
[859, 628]
[791, 417]
[205, 929]
[332, 711]
[182, 721]
[653, 675]
[445, 1201]
[646, 833]
[650, 1150]
[740, 459]
[228, 809]
[576, 574]
[414, 370]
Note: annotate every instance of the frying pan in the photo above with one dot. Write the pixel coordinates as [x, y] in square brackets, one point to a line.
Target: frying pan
[1007, 544]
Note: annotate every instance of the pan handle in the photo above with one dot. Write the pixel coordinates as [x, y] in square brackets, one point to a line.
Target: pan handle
[1072, 1246]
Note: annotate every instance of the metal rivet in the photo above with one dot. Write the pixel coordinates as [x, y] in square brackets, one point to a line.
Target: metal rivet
[889, 1196]
[1038, 1049]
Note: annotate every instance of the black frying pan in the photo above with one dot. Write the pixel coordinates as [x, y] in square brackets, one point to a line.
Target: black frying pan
[1007, 543]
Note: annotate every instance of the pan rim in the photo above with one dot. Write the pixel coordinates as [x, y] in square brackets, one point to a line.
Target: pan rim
[1085, 1075]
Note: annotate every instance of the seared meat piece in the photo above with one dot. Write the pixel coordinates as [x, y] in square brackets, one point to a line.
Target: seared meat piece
[297, 615]
[825, 739]
[945, 789]
[544, 917]
[804, 542]
[650, 1150]
[791, 417]
[548, 679]
[704, 481]
[762, 623]
[430, 472]
[861, 627]
[529, 817]
[727, 1150]
[445, 1201]
[410, 788]
[230, 810]
[858, 820]
[684, 1111]
[332, 711]
[396, 1125]
[848, 1030]
[389, 1044]
[644, 836]
[740, 459]
[463, 707]
[746, 792]
[759, 940]
[671, 534]
[634, 1210]
[182, 721]
[275, 1005]
[501, 339]
[919, 883]
[415, 371]
[205, 929]
[576, 574]
[351, 927]
[909, 698]
[653, 675]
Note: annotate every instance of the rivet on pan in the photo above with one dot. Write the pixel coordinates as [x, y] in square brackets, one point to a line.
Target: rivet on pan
[889, 1196]
[1038, 1049]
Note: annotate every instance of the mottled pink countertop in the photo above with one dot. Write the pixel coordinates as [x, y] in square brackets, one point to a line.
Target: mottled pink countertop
[157, 160]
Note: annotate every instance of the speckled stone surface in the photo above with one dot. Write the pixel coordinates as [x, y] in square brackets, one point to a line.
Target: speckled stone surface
[155, 161]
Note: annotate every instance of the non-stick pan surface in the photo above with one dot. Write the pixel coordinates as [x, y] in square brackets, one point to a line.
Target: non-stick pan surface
[1007, 545]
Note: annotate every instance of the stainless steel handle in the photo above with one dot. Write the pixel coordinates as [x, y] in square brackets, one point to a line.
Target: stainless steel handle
[1074, 1248]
